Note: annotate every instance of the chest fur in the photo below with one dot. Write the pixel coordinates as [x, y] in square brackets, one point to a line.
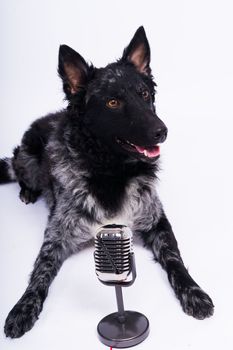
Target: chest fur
[135, 205]
[130, 199]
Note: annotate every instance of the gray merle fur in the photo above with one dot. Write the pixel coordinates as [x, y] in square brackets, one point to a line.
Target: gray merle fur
[94, 165]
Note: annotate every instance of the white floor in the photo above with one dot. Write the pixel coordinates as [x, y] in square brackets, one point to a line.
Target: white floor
[192, 61]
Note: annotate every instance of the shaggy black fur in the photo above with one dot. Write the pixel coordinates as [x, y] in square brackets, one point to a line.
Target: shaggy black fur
[4, 172]
[95, 163]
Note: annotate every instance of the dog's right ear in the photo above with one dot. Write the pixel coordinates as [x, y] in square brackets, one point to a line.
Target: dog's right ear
[73, 70]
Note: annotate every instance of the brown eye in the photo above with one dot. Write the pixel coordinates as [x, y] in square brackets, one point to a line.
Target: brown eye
[146, 95]
[113, 103]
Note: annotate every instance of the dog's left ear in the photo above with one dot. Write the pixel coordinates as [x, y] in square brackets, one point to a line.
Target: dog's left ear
[72, 69]
[138, 52]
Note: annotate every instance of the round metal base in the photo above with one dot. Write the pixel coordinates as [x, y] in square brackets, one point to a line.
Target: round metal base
[125, 332]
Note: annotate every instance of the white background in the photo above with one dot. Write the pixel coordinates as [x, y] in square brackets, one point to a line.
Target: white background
[192, 58]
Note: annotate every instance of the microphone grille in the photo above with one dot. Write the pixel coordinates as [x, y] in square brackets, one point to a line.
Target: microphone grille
[113, 246]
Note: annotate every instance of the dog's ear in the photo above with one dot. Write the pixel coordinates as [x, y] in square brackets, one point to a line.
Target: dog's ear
[72, 69]
[138, 52]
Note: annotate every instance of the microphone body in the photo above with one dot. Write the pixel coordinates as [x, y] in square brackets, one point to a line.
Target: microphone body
[114, 258]
[115, 266]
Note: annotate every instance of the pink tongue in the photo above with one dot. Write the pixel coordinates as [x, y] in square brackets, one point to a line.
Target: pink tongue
[151, 152]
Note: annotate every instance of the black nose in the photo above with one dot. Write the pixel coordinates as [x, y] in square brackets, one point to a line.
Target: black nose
[161, 134]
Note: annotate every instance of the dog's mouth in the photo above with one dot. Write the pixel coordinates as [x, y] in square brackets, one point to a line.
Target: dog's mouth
[146, 151]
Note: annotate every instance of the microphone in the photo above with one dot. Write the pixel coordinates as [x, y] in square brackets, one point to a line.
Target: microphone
[115, 266]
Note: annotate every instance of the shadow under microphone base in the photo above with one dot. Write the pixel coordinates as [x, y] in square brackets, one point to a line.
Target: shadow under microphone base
[132, 331]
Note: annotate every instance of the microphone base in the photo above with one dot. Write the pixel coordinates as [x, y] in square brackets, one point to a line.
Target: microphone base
[124, 331]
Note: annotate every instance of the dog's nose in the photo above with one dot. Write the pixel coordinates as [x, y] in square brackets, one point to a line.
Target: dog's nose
[161, 134]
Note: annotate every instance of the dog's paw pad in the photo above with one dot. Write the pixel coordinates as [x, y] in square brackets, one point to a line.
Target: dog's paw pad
[197, 303]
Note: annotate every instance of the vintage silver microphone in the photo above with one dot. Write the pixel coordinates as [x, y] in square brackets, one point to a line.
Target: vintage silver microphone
[115, 266]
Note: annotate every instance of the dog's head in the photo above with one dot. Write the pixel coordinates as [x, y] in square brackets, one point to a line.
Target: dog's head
[118, 102]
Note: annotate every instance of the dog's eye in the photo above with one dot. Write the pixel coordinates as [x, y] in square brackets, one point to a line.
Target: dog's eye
[146, 95]
[113, 103]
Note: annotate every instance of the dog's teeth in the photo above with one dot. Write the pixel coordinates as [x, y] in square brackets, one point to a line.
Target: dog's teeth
[129, 143]
[145, 152]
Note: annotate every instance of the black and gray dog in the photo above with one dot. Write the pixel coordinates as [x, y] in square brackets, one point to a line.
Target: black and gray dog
[96, 163]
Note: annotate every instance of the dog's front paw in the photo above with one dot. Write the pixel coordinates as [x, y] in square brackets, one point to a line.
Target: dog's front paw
[23, 315]
[195, 302]
[28, 196]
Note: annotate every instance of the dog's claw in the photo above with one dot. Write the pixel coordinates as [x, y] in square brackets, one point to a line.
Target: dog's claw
[28, 196]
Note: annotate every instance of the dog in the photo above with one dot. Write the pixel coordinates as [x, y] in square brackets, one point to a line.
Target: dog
[95, 163]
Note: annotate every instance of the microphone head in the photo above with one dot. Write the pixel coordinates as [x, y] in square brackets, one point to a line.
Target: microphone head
[113, 250]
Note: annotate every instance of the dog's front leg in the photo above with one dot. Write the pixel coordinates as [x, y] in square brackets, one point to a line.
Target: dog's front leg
[25, 313]
[60, 242]
[161, 240]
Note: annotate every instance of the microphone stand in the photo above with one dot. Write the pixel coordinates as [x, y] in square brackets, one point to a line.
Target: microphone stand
[120, 304]
[123, 329]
